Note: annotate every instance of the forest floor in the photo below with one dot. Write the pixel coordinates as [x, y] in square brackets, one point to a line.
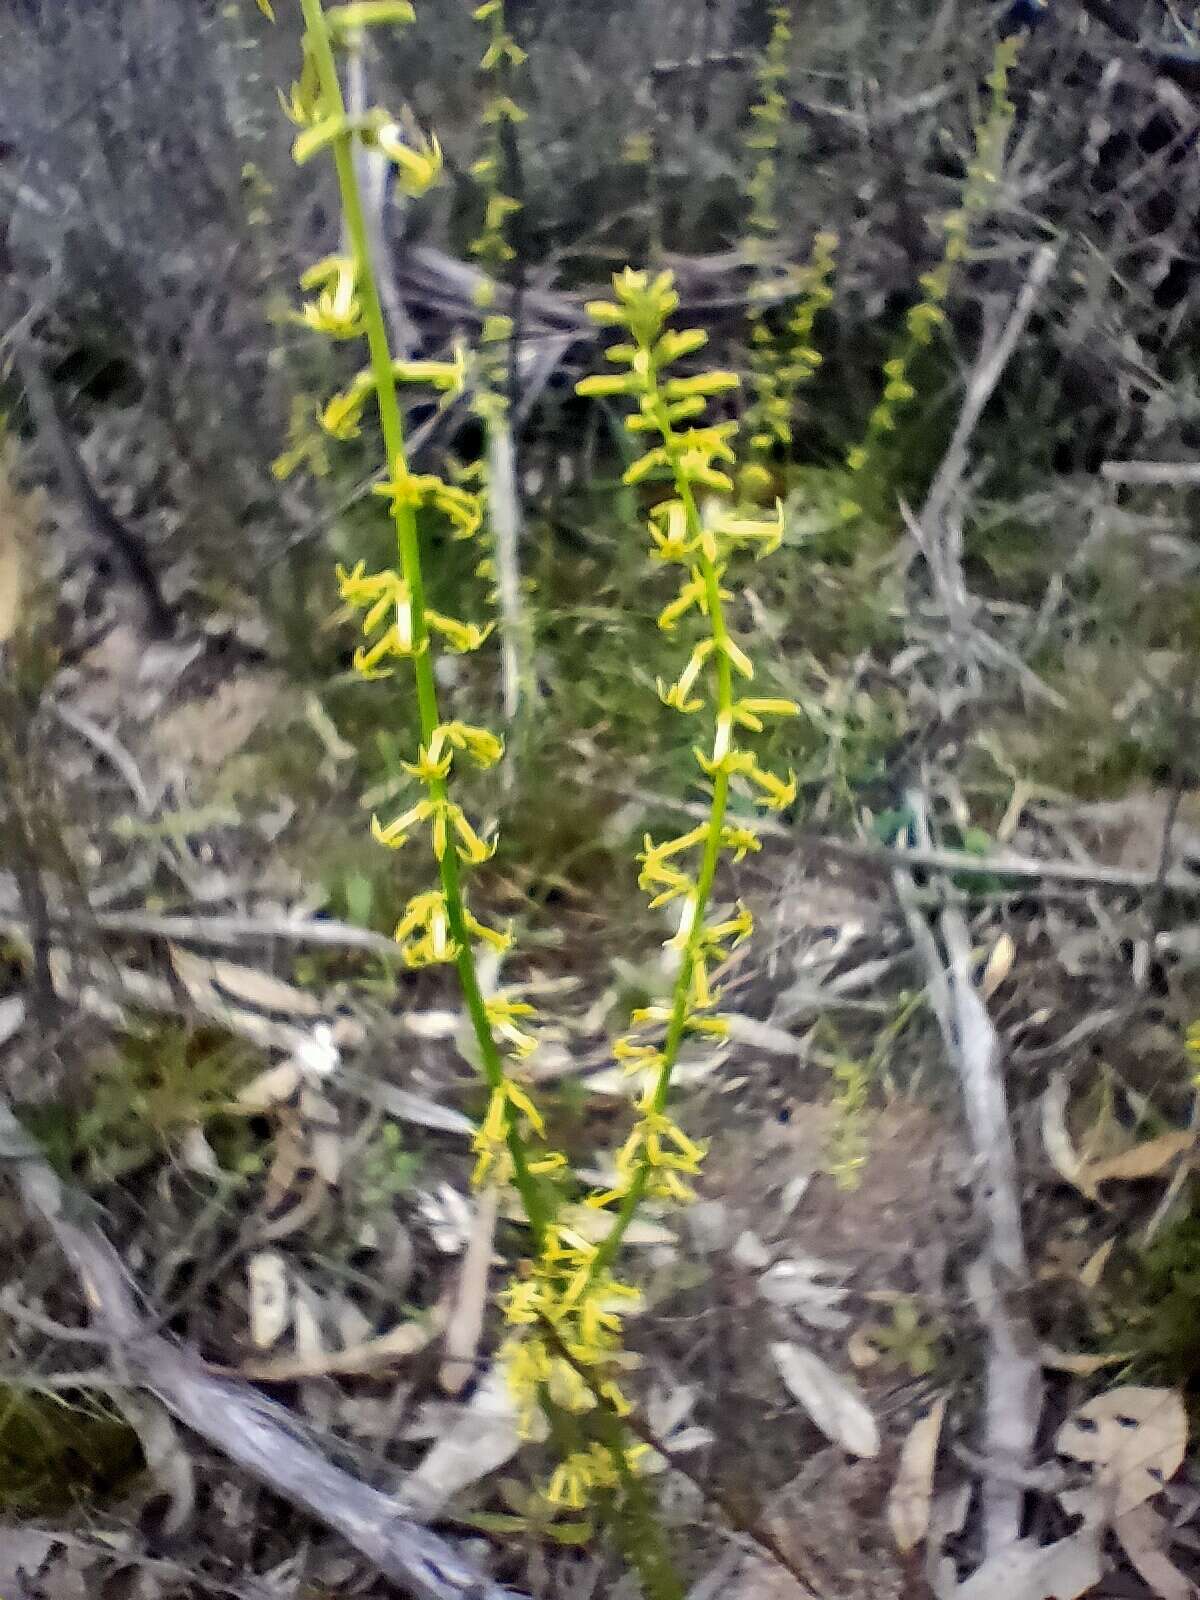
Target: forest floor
[213, 1043]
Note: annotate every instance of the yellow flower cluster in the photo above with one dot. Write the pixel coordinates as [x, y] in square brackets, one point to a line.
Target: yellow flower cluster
[983, 173]
[496, 171]
[564, 1307]
[567, 1299]
[341, 416]
[566, 1311]
[781, 365]
[768, 114]
[779, 362]
[502, 55]
[397, 624]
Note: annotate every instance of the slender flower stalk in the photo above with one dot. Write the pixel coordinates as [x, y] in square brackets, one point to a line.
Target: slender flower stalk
[567, 1298]
[928, 315]
[438, 926]
[782, 356]
[567, 1287]
[499, 176]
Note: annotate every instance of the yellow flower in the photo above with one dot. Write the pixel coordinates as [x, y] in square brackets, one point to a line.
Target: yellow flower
[318, 135]
[423, 931]
[341, 414]
[432, 763]
[748, 713]
[394, 835]
[368, 13]
[569, 1389]
[636, 1057]
[378, 594]
[336, 311]
[664, 881]
[483, 747]
[777, 793]
[413, 490]
[491, 1137]
[742, 841]
[693, 593]
[418, 164]
[460, 636]
[766, 536]
[447, 816]
[662, 1143]
[672, 542]
[504, 1015]
[501, 108]
[503, 48]
[572, 1482]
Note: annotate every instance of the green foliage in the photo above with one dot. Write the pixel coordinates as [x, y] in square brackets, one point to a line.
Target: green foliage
[142, 1096]
[531, 1515]
[910, 1340]
[1155, 1307]
[386, 1168]
[846, 1145]
[58, 1452]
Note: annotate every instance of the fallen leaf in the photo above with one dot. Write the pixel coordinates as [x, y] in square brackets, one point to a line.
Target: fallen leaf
[23, 1552]
[447, 1214]
[320, 1119]
[1133, 1437]
[861, 1348]
[312, 1198]
[12, 1016]
[415, 1108]
[197, 1155]
[306, 1325]
[262, 990]
[1081, 1364]
[201, 978]
[351, 1321]
[1064, 1158]
[1023, 792]
[1093, 1268]
[432, 1024]
[800, 1283]
[482, 1436]
[667, 1413]
[270, 1299]
[749, 1251]
[371, 1355]
[167, 1458]
[1143, 1535]
[1145, 1160]
[270, 1088]
[1028, 1571]
[909, 1499]
[465, 1328]
[999, 965]
[595, 1226]
[832, 1401]
[12, 572]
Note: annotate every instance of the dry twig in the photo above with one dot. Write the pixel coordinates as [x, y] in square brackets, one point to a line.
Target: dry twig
[249, 1430]
[1000, 1271]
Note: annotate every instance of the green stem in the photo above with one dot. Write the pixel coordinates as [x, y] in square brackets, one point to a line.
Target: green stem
[409, 550]
[636, 1524]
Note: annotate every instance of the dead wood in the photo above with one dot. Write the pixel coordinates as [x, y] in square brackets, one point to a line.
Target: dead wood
[250, 1431]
